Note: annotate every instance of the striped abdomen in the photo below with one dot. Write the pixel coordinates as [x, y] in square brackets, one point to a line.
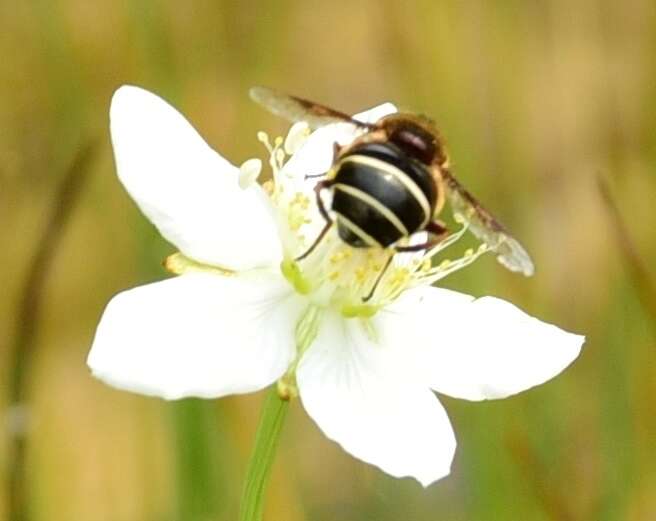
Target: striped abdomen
[381, 195]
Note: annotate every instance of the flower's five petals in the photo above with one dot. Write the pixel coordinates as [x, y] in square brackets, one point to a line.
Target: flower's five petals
[196, 335]
[186, 189]
[485, 348]
[347, 388]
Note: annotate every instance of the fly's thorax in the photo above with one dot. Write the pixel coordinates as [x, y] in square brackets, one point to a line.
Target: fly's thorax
[416, 136]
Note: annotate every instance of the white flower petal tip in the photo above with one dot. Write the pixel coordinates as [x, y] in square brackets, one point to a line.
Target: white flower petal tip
[199, 335]
[489, 348]
[296, 136]
[249, 171]
[128, 97]
[314, 154]
[375, 113]
[347, 386]
[187, 190]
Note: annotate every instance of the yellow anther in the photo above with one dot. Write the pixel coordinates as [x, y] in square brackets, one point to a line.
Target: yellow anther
[444, 264]
[399, 276]
[300, 199]
[338, 256]
[469, 252]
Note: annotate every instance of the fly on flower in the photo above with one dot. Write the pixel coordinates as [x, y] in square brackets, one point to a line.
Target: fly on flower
[391, 181]
[243, 312]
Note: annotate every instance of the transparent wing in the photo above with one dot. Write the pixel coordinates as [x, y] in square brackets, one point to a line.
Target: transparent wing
[299, 109]
[510, 253]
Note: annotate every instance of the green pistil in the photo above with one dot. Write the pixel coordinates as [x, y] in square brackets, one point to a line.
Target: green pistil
[291, 271]
[359, 310]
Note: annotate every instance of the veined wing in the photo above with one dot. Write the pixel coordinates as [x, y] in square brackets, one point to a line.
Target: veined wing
[299, 109]
[510, 253]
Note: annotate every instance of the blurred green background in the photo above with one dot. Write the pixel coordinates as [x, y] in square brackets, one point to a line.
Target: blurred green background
[538, 101]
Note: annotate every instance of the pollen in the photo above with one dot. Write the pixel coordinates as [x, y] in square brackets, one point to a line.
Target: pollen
[301, 200]
[297, 211]
[399, 275]
[339, 256]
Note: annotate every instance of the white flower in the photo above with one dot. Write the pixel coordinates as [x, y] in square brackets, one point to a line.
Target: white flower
[242, 314]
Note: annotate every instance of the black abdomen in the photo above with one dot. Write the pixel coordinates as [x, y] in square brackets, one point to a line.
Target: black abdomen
[380, 195]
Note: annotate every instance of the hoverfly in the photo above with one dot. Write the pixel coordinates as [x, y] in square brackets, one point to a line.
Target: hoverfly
[391, 182]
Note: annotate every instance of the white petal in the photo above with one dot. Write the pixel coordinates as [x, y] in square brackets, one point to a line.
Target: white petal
[315, 156]
[249, 171]
[196, 335]
[405, 259]
[482, 348]
[374, 114]
[186, 189]
[348, 386]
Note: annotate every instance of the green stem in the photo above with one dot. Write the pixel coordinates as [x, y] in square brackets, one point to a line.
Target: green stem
[259, 467]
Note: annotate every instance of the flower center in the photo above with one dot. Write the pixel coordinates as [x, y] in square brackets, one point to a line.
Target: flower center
[356, 281]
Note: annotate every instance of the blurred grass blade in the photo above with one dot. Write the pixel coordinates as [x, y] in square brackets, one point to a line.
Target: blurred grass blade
[533, 470]
[643, 283]
[198, 474]
[27, 317]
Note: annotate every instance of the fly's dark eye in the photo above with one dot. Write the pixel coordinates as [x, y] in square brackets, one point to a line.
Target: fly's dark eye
[415, 142]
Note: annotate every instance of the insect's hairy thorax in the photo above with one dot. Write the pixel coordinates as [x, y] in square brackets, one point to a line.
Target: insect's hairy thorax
[416, 136]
